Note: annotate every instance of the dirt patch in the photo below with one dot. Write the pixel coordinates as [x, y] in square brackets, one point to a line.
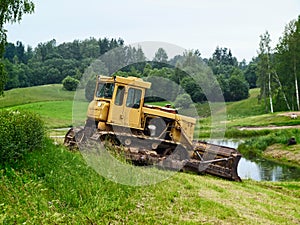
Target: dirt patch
[281, 152]
[290, 114]
[271, 127]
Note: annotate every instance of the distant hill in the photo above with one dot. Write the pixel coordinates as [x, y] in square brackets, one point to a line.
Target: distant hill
[246, 107]
[21, 96]
[51, 102]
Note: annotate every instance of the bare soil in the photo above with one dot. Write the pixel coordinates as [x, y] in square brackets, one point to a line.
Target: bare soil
[281, 152]
[271, 127]
[292, 115]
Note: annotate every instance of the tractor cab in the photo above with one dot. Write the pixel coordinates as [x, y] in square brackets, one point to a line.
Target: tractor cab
[118, 101]
[127, 102]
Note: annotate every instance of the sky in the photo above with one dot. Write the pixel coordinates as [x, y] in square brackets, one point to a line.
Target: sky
[190, 24]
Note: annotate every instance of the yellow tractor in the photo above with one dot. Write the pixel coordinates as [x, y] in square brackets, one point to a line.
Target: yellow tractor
[149, 134]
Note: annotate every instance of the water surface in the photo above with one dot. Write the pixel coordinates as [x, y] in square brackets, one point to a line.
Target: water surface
[261, 169]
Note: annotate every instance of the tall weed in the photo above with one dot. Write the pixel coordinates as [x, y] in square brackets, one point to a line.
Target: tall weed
[255, 146]
[20, 132]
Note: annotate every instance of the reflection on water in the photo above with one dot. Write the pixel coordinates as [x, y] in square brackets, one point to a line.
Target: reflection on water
[261, 169]
[267, 171]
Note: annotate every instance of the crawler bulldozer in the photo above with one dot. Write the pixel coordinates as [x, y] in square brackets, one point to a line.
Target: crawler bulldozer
[149, 134]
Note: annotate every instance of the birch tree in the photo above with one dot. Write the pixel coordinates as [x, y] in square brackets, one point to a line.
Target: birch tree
[264, 70]
[288, 59]
[294, 48]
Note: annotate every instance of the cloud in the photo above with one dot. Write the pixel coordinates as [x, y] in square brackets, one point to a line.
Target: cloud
[192, 24]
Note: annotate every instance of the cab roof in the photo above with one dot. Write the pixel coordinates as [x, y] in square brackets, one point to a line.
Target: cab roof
[132, 81]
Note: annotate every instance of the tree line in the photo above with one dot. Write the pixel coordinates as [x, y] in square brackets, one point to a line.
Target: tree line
[51, 63]
[278, 69]
[11, 12]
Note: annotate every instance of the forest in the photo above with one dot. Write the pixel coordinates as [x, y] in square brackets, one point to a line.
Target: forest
[50, 63]
[275, 71]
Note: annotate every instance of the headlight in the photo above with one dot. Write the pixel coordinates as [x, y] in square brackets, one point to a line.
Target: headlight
[152, 129]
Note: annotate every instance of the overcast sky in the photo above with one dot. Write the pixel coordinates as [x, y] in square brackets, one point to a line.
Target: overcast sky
[190, 24]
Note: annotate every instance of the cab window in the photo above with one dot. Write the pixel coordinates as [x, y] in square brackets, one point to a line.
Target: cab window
[120, 95]
[105, 90]
[134, 98]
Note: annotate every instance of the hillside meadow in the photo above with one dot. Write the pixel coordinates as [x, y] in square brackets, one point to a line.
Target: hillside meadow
[51, 102]
[45, 93]
[53, 185]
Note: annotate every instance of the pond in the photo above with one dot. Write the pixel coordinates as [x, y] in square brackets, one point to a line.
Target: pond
[261, 169]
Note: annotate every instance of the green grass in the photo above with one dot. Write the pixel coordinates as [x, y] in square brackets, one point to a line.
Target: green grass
[54, 186]
[20, 96]
[51, 102]
[247, 107]
[288, 155]
[245, 113]
[275, 119]
[276, 140]
[162, 103]
[56, 114]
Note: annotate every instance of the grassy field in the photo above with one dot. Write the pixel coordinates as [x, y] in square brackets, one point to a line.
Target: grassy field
[51, 102]
[55, 113]
[245, 108]
[55, 186]
[45, 93]
[241, 114]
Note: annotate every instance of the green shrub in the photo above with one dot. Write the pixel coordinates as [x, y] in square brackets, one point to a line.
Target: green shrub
[255, 146]
[70, 83]
[236, 133]
[183, 101]
[20, 132]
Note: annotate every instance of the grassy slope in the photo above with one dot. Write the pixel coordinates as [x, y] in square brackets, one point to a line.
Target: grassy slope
[54, 186]
[55, 105]
[50, 101]
[21, 96]
[245, 113]
[250, 112]
[54, 113]
[245, 108]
